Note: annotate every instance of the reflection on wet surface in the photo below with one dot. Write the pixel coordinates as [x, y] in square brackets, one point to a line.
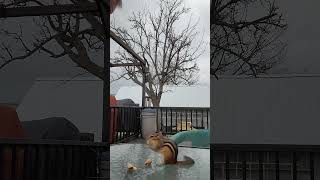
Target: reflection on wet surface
[136, 154]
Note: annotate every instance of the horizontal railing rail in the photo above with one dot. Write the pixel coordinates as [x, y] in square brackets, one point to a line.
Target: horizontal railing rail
[265, 147]
[7, 141]
[24, 159]
[263, 161]
[181, 108]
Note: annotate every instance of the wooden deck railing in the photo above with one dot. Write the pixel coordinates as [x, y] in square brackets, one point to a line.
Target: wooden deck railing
[50, 159]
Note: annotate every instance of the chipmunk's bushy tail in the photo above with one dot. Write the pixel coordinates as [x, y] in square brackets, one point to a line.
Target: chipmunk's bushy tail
[187, 161]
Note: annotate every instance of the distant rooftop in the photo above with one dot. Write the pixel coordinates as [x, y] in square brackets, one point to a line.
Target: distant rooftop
[175, 96]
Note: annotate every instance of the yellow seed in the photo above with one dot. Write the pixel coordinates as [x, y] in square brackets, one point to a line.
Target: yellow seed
[148, 162]
[131, 167]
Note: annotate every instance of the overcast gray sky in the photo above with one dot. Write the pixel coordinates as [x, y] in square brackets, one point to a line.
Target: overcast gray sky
[199, 9]
[302, 36]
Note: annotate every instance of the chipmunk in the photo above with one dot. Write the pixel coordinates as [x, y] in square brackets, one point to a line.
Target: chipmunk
[167, 148]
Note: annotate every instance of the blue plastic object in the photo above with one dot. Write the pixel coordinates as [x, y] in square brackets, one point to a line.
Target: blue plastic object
[198, 137]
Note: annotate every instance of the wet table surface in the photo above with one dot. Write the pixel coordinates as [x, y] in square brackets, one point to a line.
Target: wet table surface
[136, 154]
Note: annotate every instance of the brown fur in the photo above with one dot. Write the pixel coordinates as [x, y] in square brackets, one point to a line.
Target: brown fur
[167, 148]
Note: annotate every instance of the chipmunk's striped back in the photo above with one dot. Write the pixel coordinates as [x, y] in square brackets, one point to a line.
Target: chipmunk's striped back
[172, 145]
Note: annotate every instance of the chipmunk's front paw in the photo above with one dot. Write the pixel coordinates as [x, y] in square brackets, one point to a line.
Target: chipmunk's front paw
[161, 163]
[148, 162]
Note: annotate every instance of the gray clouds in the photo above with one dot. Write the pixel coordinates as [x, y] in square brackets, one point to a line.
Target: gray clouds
[199, 10]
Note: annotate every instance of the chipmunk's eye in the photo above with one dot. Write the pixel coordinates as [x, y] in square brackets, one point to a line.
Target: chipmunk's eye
[151, 136]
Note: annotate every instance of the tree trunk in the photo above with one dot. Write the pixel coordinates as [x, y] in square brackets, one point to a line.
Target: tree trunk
[155, 101]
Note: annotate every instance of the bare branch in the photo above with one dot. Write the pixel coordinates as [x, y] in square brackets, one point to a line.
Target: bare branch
[28, 53]
[242, 42]
[66, 32]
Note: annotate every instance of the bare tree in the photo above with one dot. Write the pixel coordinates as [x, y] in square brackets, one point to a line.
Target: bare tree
[166, 43]
[170, 51]
[72, 35]
[245, 36]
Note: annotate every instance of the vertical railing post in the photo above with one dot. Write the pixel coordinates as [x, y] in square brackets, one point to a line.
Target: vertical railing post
[125, 110]
[212, 156]
[127, 122]
[98, 163]
[1, 160]
[202, 118]
[161, 124]
[37, 163]
[260, 165]
[181, 120]
[227, 166]
[311, 166]
[118, 134]
[191, 117]
[143, 86]
[244, 165]
[294, 166]
[171, 120]
[197, 118]
[166, 127]
[207, 119]
[186, 119]
[105, 16]
[157, 119]
[176, 120]
[139, 121]
[277, 166]
[115, 123]
[13, 161]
